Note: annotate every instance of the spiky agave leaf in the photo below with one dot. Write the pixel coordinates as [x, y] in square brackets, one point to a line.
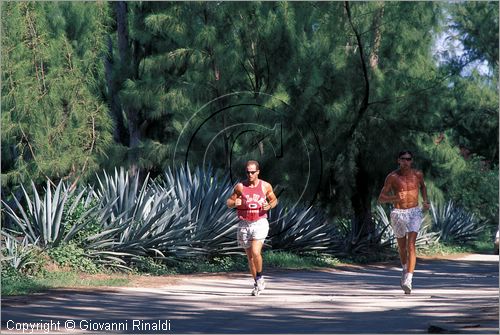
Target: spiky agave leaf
[299, 230]
[119, 194]
[204, 193]
[18, 255]
[41, 218]
[140, 220]
[455, 224]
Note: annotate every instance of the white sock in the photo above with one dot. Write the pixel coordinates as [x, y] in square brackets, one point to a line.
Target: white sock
[409, 276]
[404, 266]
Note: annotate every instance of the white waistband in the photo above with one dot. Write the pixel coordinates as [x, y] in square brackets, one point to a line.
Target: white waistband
[402, 210]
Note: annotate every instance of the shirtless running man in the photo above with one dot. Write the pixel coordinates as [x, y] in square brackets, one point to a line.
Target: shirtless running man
[401, 188]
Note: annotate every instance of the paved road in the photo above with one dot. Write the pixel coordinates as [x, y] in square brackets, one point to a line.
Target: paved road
[450, 295]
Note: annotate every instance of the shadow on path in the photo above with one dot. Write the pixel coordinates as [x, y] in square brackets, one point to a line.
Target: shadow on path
[457, 295]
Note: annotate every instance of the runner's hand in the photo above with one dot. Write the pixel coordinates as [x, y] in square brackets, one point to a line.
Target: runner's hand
[266, 206]
[237, 202]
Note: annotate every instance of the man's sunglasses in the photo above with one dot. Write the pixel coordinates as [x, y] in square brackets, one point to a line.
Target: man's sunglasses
[252, 172]
[406, 158]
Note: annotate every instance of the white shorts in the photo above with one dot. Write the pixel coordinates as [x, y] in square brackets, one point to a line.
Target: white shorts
[252, 230]
[406, 220]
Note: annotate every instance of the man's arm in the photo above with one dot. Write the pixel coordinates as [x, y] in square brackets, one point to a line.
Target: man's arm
[235, 199]
[385, 195]
[271, 197]
[423, 190]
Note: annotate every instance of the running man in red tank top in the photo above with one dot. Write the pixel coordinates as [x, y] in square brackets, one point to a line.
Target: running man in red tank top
[253, 198]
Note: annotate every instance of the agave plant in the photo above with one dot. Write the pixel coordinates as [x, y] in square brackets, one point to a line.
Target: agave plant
[300, 230]
[379, 240]
[138, 220]
[41, 219]
[203, 194]
[18, 255]
[454, 224]
[383, 224]
[122, 197]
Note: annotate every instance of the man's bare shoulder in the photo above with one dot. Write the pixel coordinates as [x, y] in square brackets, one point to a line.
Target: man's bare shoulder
[418, 173]
[267, 186]
[238, 187]
[393, 175]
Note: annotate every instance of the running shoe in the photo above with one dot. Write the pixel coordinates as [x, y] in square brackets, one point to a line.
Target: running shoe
[406, 285]
[261, 284]
[255, 291]
[403, 275]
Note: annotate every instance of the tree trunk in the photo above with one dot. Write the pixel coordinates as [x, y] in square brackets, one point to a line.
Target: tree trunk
[122, 30]
[129, 70]
[366, 92]
[119, 131]
[377, 36]
[362, 223]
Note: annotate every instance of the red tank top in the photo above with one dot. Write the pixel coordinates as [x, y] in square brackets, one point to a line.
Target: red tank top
[252, 200]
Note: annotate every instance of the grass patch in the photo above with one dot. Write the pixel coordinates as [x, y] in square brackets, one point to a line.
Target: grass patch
[151, 266]
[217, 264]
[375, 257]
[441, 249]
[288, 260]
[274, 259]
[483, 245]
[19, 285]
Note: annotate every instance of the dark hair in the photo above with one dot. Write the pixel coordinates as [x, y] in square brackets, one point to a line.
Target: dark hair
[404, 152]
[253, 163]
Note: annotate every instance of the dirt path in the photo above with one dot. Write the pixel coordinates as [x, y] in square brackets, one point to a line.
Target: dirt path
[450, 295]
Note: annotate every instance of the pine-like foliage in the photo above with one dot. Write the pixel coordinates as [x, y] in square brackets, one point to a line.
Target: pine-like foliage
[54, 123]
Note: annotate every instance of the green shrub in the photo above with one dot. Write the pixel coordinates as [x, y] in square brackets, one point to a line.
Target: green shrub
[9, 272]
[150, 265]
[476, 190]
[72, 256]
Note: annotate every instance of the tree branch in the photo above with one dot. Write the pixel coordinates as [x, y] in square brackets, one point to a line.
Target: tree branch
[34, 157]
[364, 103]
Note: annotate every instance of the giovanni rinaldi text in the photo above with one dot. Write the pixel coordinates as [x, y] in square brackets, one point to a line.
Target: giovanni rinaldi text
[95, 325]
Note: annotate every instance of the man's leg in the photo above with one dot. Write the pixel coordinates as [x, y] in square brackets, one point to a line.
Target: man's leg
[412, 259]
[255, 264]
[403, 251]
[412, 254]
[256, 249]
[251, 262]
[403, 256]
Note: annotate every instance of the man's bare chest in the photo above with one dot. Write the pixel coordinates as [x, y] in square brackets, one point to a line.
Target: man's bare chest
[406, 183]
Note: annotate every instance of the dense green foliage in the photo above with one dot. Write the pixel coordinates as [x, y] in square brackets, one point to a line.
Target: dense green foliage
[323, 94]
[55, 122]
